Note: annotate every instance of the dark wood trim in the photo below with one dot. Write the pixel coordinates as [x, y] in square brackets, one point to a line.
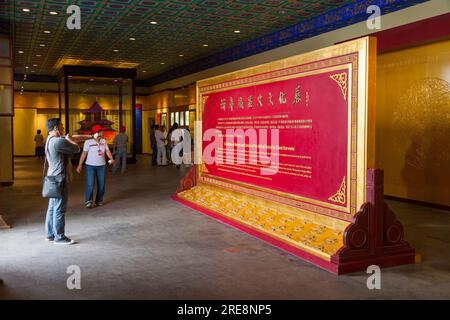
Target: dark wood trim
[120, 107]
[59, 98]
[66, 103]
[133, 116]
[418, 203]
[100, 72]
[6, 184]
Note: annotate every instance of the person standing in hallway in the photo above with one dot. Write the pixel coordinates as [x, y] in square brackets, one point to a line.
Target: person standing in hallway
[170, 142]
[39, 145]
[120, 150]
[57, 151]
[161, 144]
[94, 153]
[153, 144]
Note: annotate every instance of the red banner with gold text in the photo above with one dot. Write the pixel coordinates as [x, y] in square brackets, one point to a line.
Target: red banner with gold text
[310, 115]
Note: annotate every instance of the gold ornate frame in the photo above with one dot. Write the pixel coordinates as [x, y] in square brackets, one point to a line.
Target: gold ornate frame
[359, 58]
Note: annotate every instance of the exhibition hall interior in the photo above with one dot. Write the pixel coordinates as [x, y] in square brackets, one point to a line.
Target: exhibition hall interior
[224, 150]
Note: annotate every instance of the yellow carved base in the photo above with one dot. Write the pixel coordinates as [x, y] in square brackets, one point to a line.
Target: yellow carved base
[312, 233]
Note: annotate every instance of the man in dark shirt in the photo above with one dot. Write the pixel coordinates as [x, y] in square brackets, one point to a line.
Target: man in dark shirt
[57, 149]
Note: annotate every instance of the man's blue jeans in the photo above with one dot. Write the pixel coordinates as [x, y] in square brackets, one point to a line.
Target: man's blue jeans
[55, 220]
[91, 172]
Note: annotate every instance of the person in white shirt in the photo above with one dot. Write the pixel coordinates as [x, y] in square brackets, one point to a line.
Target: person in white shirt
[94, 153]
[161, 144]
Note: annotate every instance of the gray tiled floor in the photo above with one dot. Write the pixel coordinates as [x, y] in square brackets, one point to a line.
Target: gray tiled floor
[142, 245]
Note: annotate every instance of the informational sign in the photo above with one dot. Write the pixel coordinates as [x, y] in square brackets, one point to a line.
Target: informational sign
[287, 135]
[293, 130]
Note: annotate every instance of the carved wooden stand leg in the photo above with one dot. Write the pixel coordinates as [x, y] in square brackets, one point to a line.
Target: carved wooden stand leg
[3, 224]
[189, 180]
[375, 236]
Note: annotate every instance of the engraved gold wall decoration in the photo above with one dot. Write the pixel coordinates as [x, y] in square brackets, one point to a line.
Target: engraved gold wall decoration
[340, 196]
[341, 80]
[424, 106]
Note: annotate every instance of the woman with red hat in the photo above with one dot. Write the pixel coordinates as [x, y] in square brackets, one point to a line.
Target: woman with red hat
[94, 151]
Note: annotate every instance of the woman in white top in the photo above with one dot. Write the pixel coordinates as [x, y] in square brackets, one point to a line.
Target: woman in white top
[94, 153]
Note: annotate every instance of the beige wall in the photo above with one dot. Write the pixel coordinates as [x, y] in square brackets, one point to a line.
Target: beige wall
[32, 109]
[6, 173]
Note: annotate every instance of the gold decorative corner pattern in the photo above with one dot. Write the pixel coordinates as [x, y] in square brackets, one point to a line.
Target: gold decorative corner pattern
[204, 99]
[341, 80]
[340, 196]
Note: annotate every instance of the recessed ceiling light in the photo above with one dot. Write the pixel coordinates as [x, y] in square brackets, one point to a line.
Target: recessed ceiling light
[132, 39]
[26, 67]
[115, 50]
[21, 87]
[181, 55]
[25, 10]
[20, 51]
[153, 22]
[53, 12]
[38, 55]
[35, 65]
[46, 31]
[205, 45]
[237, 31]
[163, 63]
[91, 79]
[32, 71]
[42, 45]
[144, 71]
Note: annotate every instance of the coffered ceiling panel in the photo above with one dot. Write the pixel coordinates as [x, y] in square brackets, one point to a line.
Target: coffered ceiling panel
[150, 35]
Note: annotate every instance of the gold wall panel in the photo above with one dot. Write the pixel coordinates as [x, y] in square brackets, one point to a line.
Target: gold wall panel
[413, 122]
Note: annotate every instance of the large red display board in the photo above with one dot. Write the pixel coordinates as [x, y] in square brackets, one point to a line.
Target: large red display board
[308, 113]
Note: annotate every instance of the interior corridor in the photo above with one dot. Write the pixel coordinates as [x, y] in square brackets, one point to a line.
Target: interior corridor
[143, 245]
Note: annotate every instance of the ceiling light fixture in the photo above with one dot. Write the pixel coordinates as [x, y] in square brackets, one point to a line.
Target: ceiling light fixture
[163, 63]
[20, 51]
[237, 31]
[42, 45]
[153, 22]
[205, 45]
[26, 67]
[181, 55]
[38, 55]
[46, 31]
[53, 12]
[144, 71]
[25, 10]
[132, 39]
[35, 65]
[115, 50]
